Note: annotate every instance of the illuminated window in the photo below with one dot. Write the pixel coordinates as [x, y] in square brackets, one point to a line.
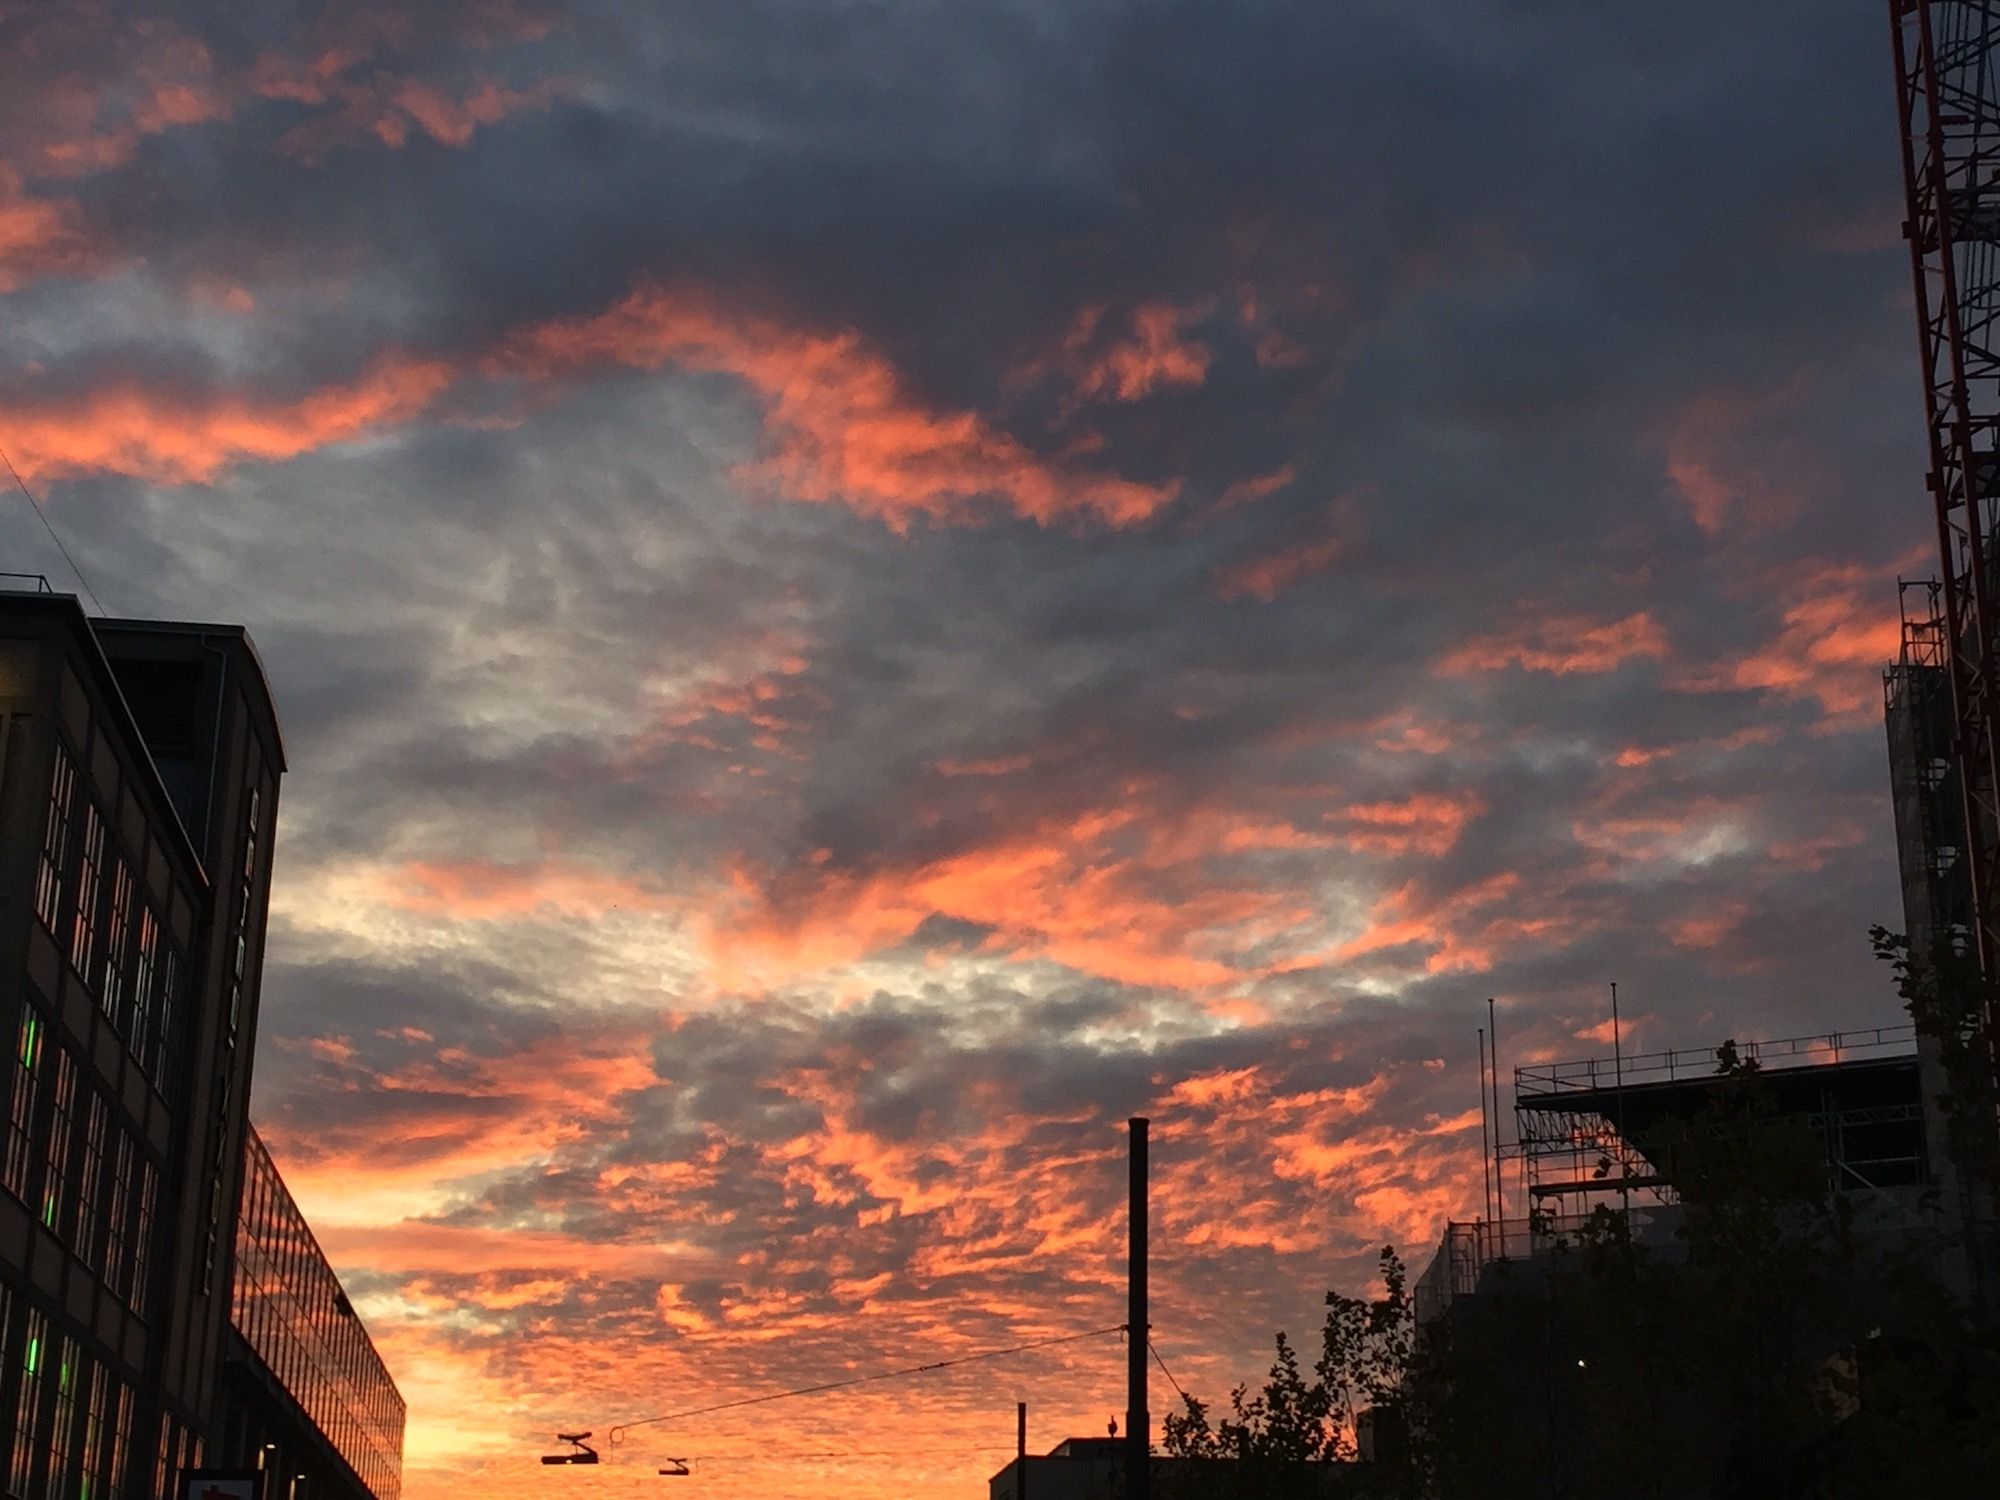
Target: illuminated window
[117, 1481]
[89, 875]
[93, 1432]
[55, 1175]
[62, 1433]
[115, 1240]
[117, 939]
[28, 1401]
[55, 842]
[139, 1037]
[164, 1477]
[21, 1102]
[95, 1121]
[142, 1235]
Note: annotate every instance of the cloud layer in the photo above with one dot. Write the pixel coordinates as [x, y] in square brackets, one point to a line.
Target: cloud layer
[861, 593]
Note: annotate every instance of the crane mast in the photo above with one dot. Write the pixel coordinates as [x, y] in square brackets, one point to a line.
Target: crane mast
[1947, 56]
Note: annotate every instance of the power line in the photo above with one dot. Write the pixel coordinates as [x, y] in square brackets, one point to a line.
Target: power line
[617, 1433]
[785, 1458]
[43, 516]
[1155, 1350]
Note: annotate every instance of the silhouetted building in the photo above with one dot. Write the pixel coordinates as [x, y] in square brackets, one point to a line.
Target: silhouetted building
[1605, 1132]
[139, 768]
[1094, 1469]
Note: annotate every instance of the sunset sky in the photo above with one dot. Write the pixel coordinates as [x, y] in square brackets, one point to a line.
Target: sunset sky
[861, 589]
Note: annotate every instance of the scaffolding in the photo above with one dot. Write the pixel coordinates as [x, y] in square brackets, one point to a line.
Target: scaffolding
[1598, 1133]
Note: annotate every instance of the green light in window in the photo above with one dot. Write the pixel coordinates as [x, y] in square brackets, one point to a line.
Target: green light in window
[31, 1040]
[34, 1364]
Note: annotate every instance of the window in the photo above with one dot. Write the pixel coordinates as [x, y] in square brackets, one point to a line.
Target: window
[21, 1103]
[117, 939]
[142, 983]
[55, 1176]
[54, 862]
[167, 1042]
[28, 1401]
[96, 1118]
[115, 1240]
[62, 1435]
[89, 875]
[119, 1481]
[95, 1394]
[142, 1236]
[164, 1475]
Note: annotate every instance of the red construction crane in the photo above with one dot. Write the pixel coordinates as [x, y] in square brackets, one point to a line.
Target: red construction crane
[1948, 93]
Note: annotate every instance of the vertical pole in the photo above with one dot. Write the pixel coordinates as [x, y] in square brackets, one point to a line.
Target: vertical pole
[1499, 1177]
[1138, 1422]
[1624, 1154]
[1485, 1150]
[1021, 1450]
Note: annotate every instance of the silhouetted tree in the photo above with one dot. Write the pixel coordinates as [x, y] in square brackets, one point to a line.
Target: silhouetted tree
[1363, 1362]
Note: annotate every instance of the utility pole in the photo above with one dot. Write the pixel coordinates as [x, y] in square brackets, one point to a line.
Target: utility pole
[1020, 1450]
[1138, 1421]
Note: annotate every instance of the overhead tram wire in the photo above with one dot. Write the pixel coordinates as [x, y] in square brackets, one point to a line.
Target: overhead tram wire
[1154, 1349]
[43, 516]
[617, 1433]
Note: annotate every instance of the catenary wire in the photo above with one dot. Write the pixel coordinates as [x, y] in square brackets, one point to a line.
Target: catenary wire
[1154, 1349]
[43, 516]
[616, 1434]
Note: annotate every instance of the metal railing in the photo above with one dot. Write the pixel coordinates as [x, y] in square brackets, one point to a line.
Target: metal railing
[1703, 1062]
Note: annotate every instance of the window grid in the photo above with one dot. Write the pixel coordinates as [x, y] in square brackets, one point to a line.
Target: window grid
[165, 1062]
[55, 1175]
[21, 1101]
[115, 1238]
[89, 1181]
[288, 1305]
[117, 939]
[62, 1433]
[7, 1348]
[89, 875]
[142, 1237]
[143, 965]
[28, 1400]
[163, 1457]
[54, 861]
[93, 1433]
[118, 1481]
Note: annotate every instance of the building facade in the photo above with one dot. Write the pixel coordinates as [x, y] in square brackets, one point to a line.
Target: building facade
[139, 770]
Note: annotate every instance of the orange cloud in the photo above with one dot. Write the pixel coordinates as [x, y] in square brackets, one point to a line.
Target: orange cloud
[387, 108]
[1833, 647]
[1426, 824]
[1560, 645]
[38, 236]
[1126, 894]
[1837, 633]
[1467, 931]
[1257, 487]
[841, 424]
[1724, 455]
[1152, 354]
[1264, 578]
[176, 438]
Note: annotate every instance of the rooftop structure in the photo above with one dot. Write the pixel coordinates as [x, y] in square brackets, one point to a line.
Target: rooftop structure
[1605, 1132]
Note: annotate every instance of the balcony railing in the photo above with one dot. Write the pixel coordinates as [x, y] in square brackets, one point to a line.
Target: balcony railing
[1702, 1062]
